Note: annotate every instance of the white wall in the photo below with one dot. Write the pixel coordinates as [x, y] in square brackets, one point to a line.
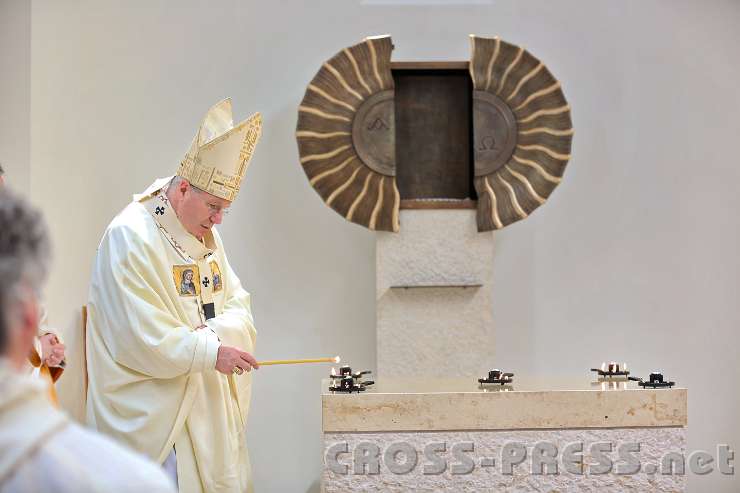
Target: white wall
[15, 92]
[634, 257]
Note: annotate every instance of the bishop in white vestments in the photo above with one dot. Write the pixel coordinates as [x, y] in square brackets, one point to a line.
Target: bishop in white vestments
[170, 334]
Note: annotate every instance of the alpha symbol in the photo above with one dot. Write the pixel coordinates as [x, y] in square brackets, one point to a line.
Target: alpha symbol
[378, 124]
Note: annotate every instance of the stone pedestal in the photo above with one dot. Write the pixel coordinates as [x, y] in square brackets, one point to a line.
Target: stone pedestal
[434, 314]
[539, 435]
[441, 433]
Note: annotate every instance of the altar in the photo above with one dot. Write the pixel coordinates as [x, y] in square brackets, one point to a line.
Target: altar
[538, 434]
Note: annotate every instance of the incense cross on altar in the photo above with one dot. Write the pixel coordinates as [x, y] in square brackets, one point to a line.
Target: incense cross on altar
[205, 282]
[159, 211]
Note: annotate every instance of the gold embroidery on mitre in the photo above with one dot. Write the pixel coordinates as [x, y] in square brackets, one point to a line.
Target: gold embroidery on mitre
[220, 153]
[187, 279]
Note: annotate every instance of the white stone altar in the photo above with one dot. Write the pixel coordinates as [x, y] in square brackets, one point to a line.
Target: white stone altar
[435, 338]
[418, 413]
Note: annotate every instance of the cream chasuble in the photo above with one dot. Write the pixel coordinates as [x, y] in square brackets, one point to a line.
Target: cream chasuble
[41, 449]
[152, 378]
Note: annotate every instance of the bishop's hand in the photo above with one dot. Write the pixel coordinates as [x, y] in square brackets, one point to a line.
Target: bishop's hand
[233, 360]
[52, 351]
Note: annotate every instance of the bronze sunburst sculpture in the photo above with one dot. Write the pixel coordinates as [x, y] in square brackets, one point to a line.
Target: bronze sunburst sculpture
[522, 133]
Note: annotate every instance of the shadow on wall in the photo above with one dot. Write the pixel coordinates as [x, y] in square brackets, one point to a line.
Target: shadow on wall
[315, 487]
[514, 303]
[71, 386]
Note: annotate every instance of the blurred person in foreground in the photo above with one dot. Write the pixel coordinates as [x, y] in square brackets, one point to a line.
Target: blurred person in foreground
[47, 355]
[41, 449]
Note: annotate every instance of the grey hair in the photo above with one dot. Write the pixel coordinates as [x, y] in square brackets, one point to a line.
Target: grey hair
[25, 252]
[174, 182]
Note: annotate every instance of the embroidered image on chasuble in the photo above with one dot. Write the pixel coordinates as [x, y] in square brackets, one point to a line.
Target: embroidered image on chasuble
[183, 276]
[152, 378]
[217, 283]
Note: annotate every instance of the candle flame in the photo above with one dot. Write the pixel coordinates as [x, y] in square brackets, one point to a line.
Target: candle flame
[603, 366]
[333, 371]
[337, 359]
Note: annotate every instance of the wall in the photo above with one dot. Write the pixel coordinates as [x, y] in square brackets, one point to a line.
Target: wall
[15, 92]
[634, 257]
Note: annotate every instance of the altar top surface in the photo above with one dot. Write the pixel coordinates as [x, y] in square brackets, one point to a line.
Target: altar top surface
[430, 404]
[519, 384]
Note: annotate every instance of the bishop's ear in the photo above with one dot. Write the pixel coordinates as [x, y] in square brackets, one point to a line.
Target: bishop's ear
[183, 186]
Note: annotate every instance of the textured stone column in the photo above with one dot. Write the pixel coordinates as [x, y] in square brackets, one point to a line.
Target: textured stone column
[434, 313]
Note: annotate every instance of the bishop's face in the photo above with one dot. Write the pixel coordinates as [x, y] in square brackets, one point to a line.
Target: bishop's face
[199, 211]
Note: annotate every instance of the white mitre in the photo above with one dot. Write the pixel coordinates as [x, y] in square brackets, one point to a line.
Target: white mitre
[220, 153]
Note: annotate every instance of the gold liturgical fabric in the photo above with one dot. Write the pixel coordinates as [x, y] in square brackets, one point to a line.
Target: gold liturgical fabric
[152, 378]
